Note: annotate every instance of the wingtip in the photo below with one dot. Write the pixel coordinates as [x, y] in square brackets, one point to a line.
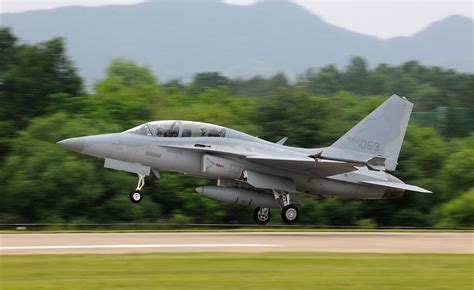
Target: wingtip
[402, 98]
[420, 189]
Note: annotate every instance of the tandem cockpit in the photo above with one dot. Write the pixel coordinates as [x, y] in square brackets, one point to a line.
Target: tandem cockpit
[180, 129]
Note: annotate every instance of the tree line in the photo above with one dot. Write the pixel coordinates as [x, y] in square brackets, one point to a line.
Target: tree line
[43, 100]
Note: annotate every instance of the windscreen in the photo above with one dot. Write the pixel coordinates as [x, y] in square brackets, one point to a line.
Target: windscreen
[140, 130]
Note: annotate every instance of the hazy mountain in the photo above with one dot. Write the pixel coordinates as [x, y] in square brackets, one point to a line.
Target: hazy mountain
[179, 39]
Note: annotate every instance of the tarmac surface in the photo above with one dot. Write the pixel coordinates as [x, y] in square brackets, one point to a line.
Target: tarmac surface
[335, 242]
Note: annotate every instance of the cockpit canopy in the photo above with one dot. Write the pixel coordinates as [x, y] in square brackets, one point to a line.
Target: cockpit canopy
[179, 129]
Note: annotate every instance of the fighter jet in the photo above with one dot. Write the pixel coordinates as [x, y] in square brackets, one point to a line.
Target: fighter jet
[258, 173]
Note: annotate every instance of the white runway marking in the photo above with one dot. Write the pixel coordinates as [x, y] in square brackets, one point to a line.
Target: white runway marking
[135, 246]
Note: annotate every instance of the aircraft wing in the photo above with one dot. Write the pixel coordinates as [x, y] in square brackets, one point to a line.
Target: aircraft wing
[317, 167]
[314, 166]
[398, 185]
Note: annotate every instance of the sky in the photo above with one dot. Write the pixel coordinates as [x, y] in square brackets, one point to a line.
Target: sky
[382, 18]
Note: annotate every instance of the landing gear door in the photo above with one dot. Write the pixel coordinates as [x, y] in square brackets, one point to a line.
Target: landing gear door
[127, 166]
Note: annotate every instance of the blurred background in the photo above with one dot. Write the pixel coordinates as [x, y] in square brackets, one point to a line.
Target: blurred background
[271, 69]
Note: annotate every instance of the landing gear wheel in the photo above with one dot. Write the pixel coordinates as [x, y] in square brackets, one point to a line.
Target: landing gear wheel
[136, 196]
[290, 214]
[262, 215]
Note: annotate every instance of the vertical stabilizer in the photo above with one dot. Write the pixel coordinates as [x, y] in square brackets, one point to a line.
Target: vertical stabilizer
[381, 133]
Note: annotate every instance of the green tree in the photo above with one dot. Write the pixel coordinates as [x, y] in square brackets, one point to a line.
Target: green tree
[259, 86]
[464, 91]
[209, 80]
[356, 77]
[459, 167]
[458, 212]
[8, 49]
[45, 183]
[125, 73]
[30, 74]
[380, 80]
[294, 114]
[126, 95]
[426, 97]
[327, 81]
[213, 105]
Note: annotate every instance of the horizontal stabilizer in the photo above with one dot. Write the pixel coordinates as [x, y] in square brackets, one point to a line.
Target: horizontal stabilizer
[398, 185]
[376, 163]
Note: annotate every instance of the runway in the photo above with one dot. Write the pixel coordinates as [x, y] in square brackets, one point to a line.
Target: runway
[335, 242]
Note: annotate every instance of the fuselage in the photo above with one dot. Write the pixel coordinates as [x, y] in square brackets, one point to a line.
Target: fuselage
[167, 154]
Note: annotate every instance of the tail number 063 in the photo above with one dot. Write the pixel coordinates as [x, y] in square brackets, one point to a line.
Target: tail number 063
[369, 145]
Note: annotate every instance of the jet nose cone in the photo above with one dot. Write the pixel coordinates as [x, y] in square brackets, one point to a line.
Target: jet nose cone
[73, 144]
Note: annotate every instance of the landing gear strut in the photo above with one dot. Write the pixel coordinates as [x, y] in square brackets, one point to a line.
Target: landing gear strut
[289, 211]
[262, 215]
[136, 195]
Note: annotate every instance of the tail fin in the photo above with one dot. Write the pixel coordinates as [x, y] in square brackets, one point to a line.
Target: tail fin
[381, 133]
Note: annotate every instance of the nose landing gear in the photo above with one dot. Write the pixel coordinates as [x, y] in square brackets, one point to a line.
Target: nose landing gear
[136, 195]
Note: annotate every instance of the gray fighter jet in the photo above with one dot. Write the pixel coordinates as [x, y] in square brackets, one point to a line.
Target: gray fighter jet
[258, 173]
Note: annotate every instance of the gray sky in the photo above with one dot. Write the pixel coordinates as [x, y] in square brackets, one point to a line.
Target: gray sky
[382, 18]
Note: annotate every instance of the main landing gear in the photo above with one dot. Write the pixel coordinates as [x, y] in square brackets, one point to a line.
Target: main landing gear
[289, 212]
[136, 195]
[262, 215]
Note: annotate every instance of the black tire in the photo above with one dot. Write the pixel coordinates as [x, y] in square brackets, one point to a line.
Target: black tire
[136, 196]
[259, 219]
[290, 214]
